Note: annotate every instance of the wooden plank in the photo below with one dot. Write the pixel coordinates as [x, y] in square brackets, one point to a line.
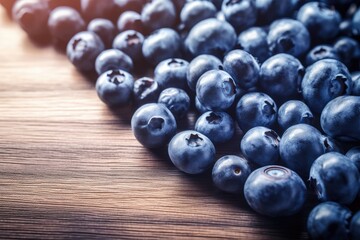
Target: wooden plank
[71, 168]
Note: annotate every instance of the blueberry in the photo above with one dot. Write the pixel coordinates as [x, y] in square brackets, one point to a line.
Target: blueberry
[335, 177]
[275, 191]
[171, 73]
[130, 42]
[288, 36]
[158, 14]
[176, 100]
[340, 118]
[254, 41]
[230, 172]
[130, 20]
[198, 66]
[241, 14]
[114, 87]
[131, 5]
[196, 11]
[355, 226]
[64, 23]
[146, 90]
[323, 81]
[216, 90]
[153, 125]
[328, 220]
[219, 127]
[354, 155]
[191, 152]
[320, 52]
[104, 28]
[211, 36]
[91, 9]
[260, 145]
[300, 145]
[160, 45]
[242, 67]
[320, 19]
[70, 3]
[281, 76]
[256, 109]
[348, 50]
[32, 17]
[355, 23]
[293, 112]
[83, 49]
[113, 59]
[270, 10]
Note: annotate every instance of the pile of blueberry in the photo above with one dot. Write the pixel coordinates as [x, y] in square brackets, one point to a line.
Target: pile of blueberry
[284, 75]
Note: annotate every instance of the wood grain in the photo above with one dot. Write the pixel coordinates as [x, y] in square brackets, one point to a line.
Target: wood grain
[70, 167]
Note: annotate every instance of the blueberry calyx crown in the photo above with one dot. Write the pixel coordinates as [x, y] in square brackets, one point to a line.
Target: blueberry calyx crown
[213, 118]
[175, 63]
[116, 77]
[156, 123]
[338, 85]
[286, 43]
[273, 137]
[269, 108]
[78, 44]
[194, 140]
[229, 87]
[132, 39]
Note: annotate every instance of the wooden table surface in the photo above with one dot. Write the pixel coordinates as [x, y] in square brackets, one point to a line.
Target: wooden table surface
[71, 168]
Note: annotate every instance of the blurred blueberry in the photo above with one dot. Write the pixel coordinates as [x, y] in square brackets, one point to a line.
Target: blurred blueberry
[158, 14]
[104, 28]
[160, 45]
[196, 11]
[130, 42]
[211, 36]
[64, 22]
[112, 59]
[32, 16]
[240, 14]
[355, 226]
[354, 155]
[83, 49]
[130, 20]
